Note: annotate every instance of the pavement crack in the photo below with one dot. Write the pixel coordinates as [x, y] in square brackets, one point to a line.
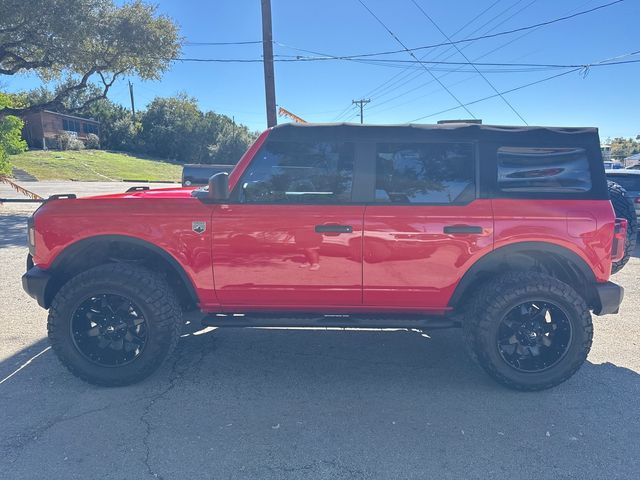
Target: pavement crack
[177, 372]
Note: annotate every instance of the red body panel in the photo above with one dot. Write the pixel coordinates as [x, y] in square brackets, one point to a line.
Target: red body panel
[269, 257]
[160, 217]
[585, 227]
[410, 261]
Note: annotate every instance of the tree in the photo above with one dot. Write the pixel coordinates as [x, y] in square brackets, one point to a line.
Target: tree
[624, 147]
[77, 43]
[177, 129]
[231, 142]
[76, 100]
[11, 141]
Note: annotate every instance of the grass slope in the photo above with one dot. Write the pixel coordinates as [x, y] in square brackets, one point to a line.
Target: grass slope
[94, 165]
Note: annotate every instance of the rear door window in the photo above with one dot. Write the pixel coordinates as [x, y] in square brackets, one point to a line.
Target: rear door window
[536, 169]
[430, 173]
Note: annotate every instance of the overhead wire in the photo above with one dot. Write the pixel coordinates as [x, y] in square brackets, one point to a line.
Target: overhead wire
[509, 42]
[404, 50]
[530, 84]
[469, 62]
[491, 29]
[479, 15]
[397, 39]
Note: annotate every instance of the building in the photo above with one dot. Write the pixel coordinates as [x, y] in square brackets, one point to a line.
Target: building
[632, 160]
[41, 128]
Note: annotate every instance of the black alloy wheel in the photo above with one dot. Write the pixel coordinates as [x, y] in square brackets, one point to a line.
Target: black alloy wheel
[534, 336]
[109, 330]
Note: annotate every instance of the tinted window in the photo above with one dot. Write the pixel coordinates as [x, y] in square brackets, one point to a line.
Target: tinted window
[300, 172]
[630, 183]
[425, 173]
[532, 169]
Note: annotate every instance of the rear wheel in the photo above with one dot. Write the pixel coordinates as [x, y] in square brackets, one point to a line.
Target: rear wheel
[529, 331]
[624, 208]
[114, 324]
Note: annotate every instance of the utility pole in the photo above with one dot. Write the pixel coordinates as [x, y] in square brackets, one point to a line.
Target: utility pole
[233, 126]
[267, 52]
[361, 103]
[133, 107]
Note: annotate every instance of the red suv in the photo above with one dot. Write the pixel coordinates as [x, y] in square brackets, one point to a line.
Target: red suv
[507, 232]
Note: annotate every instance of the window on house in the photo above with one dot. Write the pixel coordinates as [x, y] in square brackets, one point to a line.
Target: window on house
[300, 172]
[536, 169]
[70, 125]
[90, 128]
[439, 173]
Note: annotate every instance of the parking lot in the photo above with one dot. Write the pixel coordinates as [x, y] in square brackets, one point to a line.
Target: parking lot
[321, 404]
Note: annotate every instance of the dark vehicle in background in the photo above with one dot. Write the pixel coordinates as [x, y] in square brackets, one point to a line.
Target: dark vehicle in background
[624, 191]
[630, 181]
[199, 174]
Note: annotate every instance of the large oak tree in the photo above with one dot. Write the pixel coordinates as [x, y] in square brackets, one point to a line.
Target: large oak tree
[78, 43]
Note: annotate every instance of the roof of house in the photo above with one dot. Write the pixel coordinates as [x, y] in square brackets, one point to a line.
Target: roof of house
[75, 117]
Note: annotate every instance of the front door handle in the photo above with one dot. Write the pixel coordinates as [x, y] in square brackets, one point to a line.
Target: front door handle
[462, 229]
[334, 229]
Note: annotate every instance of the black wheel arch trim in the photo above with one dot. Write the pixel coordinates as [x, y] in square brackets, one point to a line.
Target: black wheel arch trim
[170, 259]
[498, 256]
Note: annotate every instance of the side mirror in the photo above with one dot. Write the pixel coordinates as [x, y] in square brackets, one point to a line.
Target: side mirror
[219, 186]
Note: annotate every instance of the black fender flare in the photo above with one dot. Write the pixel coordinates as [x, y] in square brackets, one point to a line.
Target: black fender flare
[79, 245]
[491, 262]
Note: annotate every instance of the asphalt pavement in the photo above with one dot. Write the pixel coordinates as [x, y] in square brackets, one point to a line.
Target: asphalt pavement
[308, 404]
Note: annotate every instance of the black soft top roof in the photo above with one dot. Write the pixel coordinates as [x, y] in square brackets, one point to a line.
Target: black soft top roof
[449, 131]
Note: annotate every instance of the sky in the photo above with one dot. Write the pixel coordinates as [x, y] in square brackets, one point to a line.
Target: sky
[322, 91]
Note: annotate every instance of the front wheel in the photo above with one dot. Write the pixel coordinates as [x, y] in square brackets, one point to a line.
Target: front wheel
[528, 331]
[114, 324]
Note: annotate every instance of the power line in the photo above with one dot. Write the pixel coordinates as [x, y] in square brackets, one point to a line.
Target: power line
[381, 86]
[213, 44]
[509, 42]
[493, 35]
[493, 28]
[395, 37]
[409, 78]
[423, 47]
[546, 79]
[401, 79]
[382, 61]
[469, 62]
[496, 95]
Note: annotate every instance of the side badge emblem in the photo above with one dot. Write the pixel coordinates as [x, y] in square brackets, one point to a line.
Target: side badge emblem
[199, 227]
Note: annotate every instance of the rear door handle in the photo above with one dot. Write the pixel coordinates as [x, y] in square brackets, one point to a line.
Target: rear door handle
[334, 229]
[463, 229]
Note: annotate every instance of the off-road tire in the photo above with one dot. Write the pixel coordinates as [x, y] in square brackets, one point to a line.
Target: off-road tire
[624, 208]
[493, 301]
[151, 294]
